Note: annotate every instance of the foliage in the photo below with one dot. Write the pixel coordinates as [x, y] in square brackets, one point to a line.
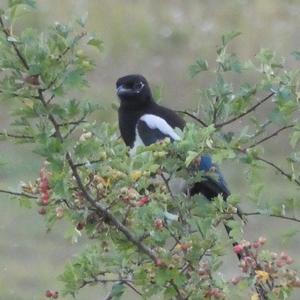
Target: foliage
[149, 239]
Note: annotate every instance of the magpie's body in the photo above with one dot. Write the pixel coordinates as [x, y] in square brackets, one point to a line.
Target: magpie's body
[143, 122]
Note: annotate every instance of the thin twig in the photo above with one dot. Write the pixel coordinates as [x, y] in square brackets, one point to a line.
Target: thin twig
[18, 95]
[75, 125]
[88, 162]
[16, 136]
[271, 135]
[273, 165]
[180, 297]
[18, 194]
[132, 287]
[281, 171]
[81, 120]
[246, 112]
[7, 34]
[257, 213]
[193, 117]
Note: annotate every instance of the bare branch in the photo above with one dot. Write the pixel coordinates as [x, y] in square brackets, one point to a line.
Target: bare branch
[257, 213]
[18, 194]
[88, 162]
[16, 136]
[251, 109]
[75, 125]
[273, 165]
[19, 54]
[271, 135]
[281, 171]
[193, 117]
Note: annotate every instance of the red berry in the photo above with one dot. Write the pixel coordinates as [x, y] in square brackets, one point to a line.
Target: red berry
[289, 260]
[262, 240]
[143, 201]
[44, 185]
[48, 294]
[283, 255]
[159, 263]
[238, 249]
[159, 224]
[235, 280]
[296, 283]
[256, 245]
[80, 226]
[45, 198]
[42, 211]
[55, 295]
[280, 263]
[185, 246]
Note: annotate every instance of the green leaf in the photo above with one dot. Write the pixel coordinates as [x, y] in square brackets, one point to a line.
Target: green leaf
[117, 291]
[199, 66]
[95, 42]
[295, 138]
[25, 202]
[31, 3]
[296, 55]
[74, 79]
[82, 19]
[226, 38]
[190, 157]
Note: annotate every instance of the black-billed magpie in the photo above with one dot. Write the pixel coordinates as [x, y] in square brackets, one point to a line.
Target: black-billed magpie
[143, 122]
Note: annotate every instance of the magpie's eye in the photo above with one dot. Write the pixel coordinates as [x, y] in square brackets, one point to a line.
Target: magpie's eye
[138, 85]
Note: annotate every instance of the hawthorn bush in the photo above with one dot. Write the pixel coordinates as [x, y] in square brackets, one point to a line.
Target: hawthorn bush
[147, 237]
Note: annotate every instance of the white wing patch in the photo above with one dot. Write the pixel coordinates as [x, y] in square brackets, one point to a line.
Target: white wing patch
[138, 142]
[155, 122]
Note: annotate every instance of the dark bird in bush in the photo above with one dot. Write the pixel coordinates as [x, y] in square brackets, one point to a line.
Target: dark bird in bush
[143, 122]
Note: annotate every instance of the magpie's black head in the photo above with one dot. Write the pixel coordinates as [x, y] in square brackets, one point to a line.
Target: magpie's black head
[133, 91]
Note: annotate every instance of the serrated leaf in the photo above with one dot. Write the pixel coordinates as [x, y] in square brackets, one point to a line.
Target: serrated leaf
[95, 42]
[82, 19]
[199, 66]
[226, 38]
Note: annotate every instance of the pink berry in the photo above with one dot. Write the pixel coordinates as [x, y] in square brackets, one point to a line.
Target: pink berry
[238, 249]
[235, 280]
[262, 240]
[289, 260]
[42, 211]
[280, 263]
[159, 224]
[48, 294]
[143, 201]
[256, 245]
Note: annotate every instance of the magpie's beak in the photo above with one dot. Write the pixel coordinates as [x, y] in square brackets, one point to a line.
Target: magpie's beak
[121, 90]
